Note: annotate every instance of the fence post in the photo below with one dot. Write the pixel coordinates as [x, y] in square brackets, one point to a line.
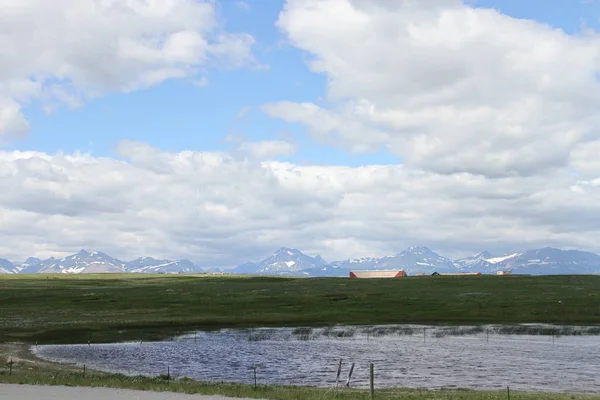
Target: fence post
[508, 392]
[350, 375]
[11, 365]
[255, 382]
[372, 381]
[84, 370]
[168, 373]
[339, 371]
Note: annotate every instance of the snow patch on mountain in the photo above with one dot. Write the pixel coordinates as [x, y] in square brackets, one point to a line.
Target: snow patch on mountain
[149, 265]
[496, 260]
[6, 267]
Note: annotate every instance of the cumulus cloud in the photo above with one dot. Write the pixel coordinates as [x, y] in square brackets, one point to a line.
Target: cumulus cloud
[267, 149]
[220, 210]
[12, 121]
[65, 51]
[446, 86]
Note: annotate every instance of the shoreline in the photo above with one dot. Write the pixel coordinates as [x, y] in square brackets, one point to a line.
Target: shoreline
[27, 368]
[343, 330]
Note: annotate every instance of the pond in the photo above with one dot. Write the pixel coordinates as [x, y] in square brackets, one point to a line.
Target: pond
[527, 357]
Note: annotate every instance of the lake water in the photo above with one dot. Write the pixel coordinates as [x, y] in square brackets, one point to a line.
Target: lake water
[404, 356]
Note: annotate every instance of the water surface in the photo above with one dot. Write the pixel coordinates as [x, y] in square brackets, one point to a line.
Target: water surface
[404, 356]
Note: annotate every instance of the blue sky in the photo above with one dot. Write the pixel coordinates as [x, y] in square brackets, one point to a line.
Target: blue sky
[177, 115]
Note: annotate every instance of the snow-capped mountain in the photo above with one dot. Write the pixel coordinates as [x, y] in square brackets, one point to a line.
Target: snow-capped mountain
[546, 261]
[285, 261]
[413, 260]
[550, 261]
[356, 263]
[475, 263]
[416, 260]
[82, 262]
[343, 268]
[149, 265]
[97, 262]
[6, 267]
[28, 263]
[292, 262]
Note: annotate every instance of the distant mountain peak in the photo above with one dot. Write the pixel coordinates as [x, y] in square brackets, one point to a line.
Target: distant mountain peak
[6, 267]
[418, 250]
[483, 255]
[32, 261]
[284, 261]
[287, 250]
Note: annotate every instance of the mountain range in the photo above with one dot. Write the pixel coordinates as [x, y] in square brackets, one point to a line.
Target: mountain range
[292, 262]
[97, 262]
[422, 260]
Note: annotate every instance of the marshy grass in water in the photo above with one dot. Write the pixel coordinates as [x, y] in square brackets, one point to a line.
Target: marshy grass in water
[546, 330]
[347, 332]
[339, 332]
[260, 335]
[459, 331]
[303, 333]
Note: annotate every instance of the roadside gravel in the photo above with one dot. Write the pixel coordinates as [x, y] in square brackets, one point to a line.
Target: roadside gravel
[29, 392]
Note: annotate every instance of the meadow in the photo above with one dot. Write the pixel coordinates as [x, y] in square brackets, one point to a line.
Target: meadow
[109, 308]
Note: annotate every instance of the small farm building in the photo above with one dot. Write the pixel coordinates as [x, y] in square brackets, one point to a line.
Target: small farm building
[504, 273]
[378, 274]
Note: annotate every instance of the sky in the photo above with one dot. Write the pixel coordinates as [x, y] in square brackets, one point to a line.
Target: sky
[221, 130]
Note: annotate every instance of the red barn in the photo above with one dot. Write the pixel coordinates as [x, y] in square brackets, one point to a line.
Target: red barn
[378, 274]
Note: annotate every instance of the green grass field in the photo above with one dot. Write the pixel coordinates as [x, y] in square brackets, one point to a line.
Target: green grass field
[69, 309]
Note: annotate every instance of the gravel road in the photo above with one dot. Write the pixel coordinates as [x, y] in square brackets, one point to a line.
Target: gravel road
[28, 392]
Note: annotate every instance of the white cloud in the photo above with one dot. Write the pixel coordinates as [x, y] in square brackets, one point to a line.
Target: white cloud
[203, 81]
[12, 121]
[65, 51]
[267, 149]
[243, 5]
[446, 86]
[585, 160]
[218, 209]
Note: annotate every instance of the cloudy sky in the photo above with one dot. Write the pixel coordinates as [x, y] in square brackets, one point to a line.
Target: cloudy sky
[221, 130]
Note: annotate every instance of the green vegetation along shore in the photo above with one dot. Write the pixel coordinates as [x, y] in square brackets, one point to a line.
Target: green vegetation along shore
[105, 308]
[27, 369]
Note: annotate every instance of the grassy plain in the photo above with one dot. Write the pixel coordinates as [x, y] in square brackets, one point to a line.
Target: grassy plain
[75, 309]
[27, 369]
